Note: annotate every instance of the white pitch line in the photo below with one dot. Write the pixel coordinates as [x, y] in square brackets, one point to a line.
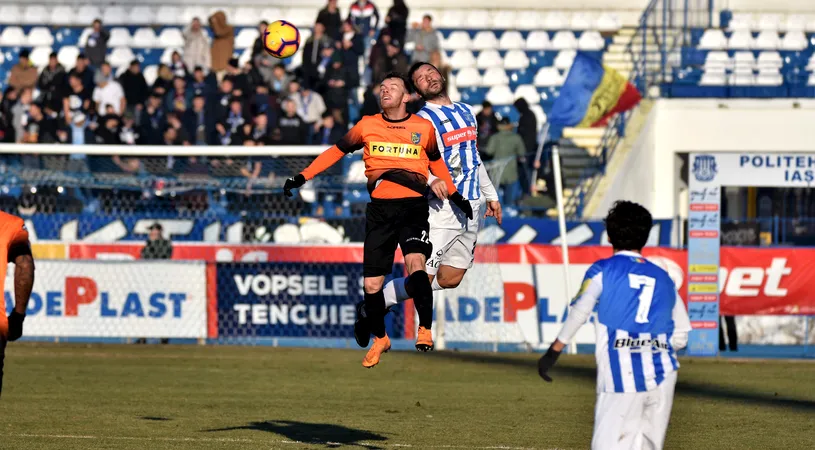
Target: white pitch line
[251, 441]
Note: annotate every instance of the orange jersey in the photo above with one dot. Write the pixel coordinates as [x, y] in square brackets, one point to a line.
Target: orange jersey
[12, 232]
[397, 155]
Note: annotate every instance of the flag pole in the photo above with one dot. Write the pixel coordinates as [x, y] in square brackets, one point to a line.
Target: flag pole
[561, 218]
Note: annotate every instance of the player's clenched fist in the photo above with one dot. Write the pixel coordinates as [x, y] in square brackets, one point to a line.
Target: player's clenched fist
[546, 362]
[15, 325]
[463, 204]
[293, 183]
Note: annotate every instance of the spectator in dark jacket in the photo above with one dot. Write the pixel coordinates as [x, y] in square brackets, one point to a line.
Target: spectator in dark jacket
[179, 97]
[350, 48]
[153, 120]
[157, 247]
[52, 84]
[293, 129]
[229, 129]
[397, 19]
[331, 20]
[527, 125]
[97, 46]
[487, 126]
[394, 61]
[240, 80]
[313, 53]
[107, 132]
[198, 123]
[84, 74]
[365, 17]
[330, 132]
[135, 87]
[181, 135]
[257, 47]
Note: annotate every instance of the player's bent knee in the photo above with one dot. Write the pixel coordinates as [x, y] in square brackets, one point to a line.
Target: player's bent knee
[372, 285]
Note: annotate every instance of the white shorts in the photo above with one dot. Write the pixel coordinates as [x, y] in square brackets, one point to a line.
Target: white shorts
[453, 235]
[636, 420]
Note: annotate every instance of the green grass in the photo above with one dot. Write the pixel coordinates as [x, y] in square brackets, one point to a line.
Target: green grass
[186, 397]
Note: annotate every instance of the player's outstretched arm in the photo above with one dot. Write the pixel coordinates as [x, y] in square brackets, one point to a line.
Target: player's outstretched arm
[20, 254]
[350, 143]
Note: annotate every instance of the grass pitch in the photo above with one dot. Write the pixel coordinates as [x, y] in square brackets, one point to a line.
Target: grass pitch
[187, 397]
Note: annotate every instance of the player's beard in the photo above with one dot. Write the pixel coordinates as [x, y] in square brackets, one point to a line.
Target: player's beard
[432, 94]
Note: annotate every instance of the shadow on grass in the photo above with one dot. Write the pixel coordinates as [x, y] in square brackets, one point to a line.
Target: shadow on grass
[155, 418]
[332, 436]
[696, 390]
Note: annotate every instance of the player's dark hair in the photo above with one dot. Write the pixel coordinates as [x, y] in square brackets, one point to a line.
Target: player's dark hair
[628, 225]
[400, 76]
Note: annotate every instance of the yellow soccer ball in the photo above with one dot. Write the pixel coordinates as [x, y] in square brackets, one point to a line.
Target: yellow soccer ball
[281, 39]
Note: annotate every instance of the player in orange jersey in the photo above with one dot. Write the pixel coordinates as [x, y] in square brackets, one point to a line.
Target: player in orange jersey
[399, 150]
[14, 247]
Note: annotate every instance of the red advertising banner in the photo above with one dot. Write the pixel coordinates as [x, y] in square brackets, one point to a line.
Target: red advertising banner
[752, 281]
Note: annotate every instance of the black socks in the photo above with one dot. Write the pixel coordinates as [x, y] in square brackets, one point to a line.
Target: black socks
[375, 312]
[418, 287]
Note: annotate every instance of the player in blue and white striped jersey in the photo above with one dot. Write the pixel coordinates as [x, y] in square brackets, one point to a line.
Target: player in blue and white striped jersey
[641, 322]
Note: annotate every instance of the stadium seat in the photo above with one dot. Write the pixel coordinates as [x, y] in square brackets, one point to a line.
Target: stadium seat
[478, 18]
[500, 95]
[713, 79]
[246, 56]
[141, 15]
[272, 14]
[740, 40]
[87, 14]
[120, 37]
[769, 60]
[741, 22]
[13, 37]
[301, 17]
[608, 21]
[460, 59]
[83, 38]
[516, 59]
[794, 22]
[246, 17]
[583, 20]
[121, 56]
[10, 14]
[35, 15]
[468, 77]
[494, 76]
[144, 38]
[453, 18]
[767, 40]
[529, 93]
[484, 40]
[591, 41]
[511, 40]
[504, 19]
[744, 60]
[167, 55]
[795, 41]
[528, 20]
[717, 59]
[62, 15]
[67, 56]
[295, 61]
[538, 40]
[713, 39]
[454, 94]
[555, 20]
[246, 38]
[458, 40]
[171, 15]
[171, 37]
[150, 74]
[811, 81]
[742, 78]
[564, 40]
[769, 77]
[39, 56]
[489, 58]
[115, 15]
[548, 76]
[191, 12]
[564, 59]
[40, 36]
[769, 22]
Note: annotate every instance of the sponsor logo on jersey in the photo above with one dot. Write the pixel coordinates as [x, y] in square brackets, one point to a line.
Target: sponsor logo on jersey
[395, 150]
[641, 345]
[454, 137]
[415, 137]
[704, 168]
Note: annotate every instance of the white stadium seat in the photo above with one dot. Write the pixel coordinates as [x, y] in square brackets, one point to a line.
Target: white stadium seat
[794, 22]
[504, 19]
[494, 76]
[528, 20]
[811, 81]
[295, 61]
[302, 17]
[121, 56]
[548, 76]
[83, 37]
[769, 22]
[712, 79]
[716, 59]
[795, 41]
[458, 40]
[591, 41]
[564, 40]
[171, 15]
[39, 56]
[150, 74]
[141, 15]
[452, 18]
[489, 58]
[120, 37]
[167, 56]
[144, 38]
[769, 77]
[500, 95]
[741, 39]
[769, 60]
[564, 59]
[713, 39]
[608, 21]
[246, 38]
[191, 12]
[10, 14]
[115, 15]
[539, 114]
[87, 14]
[478, 18]
[555, 20]
[538, 40]
[744, 61]
[529, 93]
[245, 17]
[40, 36]
[467, 77]
[516, 59]
[272, 14]
[171, 37]
[767, 40]
[67, 56]
[62, 15]
[484, 40]
[35, 15]
[741, 21]
[461, 59]
[742, 79]
[511, 40]
[13, 37]
[582, 21]
[245, 57]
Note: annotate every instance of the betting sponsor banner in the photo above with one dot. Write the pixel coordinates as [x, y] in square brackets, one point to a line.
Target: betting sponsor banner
[115, 299]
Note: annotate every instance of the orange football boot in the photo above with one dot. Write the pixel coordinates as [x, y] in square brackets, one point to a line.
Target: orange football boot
[424, 340]
[380, 346]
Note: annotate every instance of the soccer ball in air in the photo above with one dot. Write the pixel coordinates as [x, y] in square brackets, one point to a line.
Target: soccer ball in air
[281, 39]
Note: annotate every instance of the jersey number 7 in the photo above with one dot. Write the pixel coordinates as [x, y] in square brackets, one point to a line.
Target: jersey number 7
[646, 287]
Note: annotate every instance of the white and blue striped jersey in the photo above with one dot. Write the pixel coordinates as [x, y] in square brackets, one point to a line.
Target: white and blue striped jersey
[457, 134]
[638, 313]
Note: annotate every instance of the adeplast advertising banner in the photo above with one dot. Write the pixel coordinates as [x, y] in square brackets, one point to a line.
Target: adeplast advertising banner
[115, 299]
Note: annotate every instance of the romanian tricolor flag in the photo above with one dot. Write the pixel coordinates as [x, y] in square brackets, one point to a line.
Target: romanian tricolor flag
[592, 94]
